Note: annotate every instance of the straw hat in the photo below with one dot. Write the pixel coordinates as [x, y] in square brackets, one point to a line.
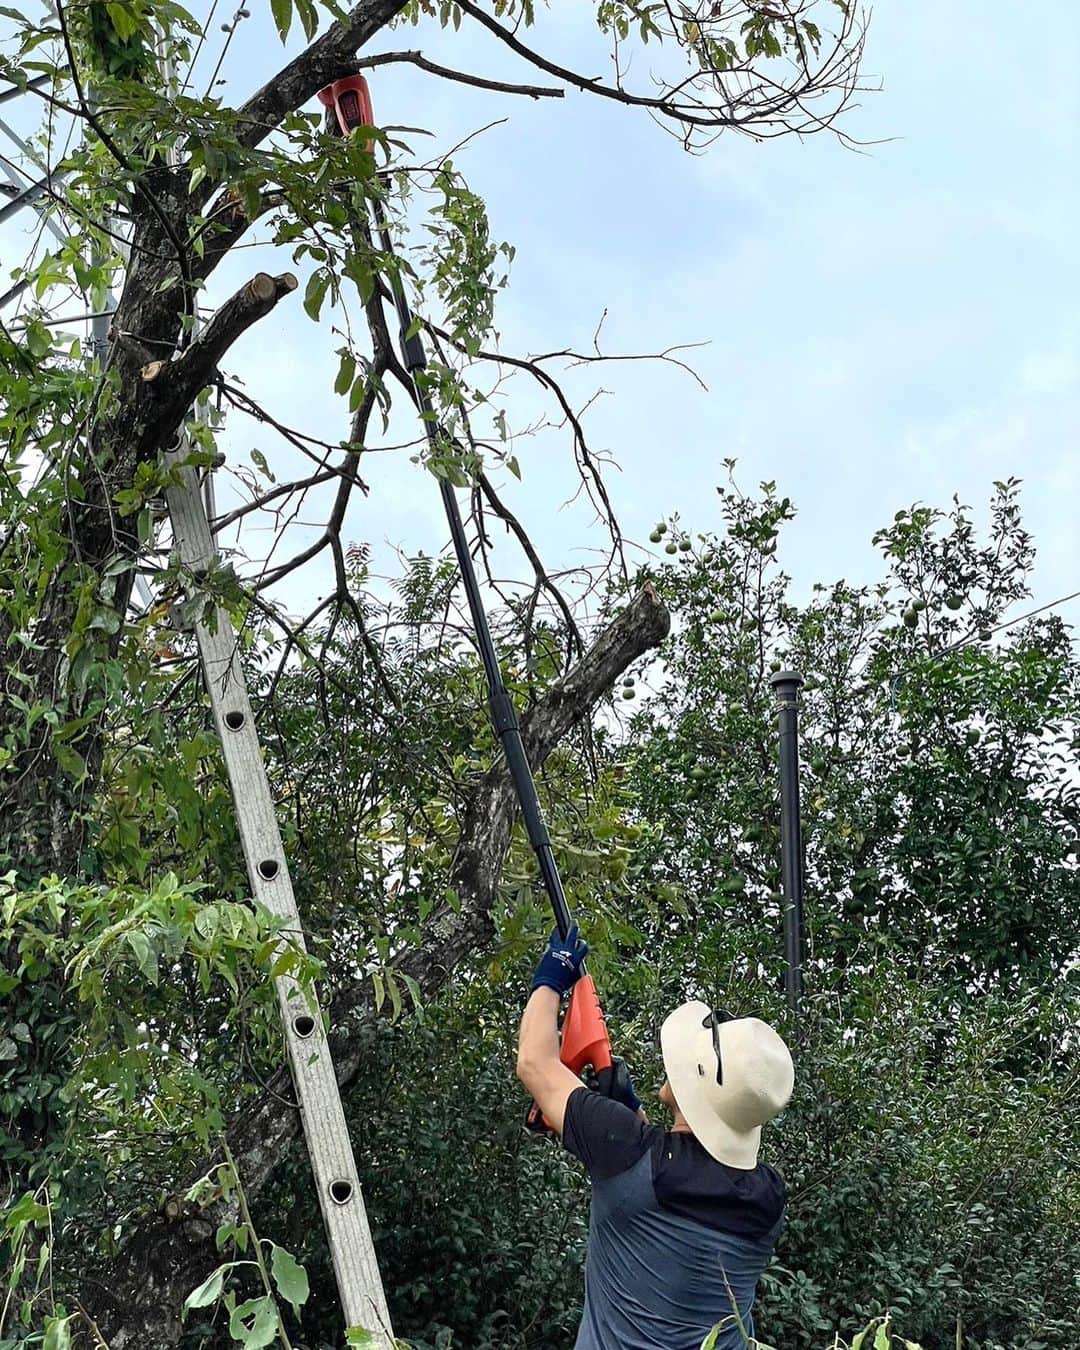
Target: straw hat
[756, 1072]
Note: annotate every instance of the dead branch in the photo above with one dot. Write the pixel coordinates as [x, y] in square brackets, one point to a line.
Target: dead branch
[417, 59]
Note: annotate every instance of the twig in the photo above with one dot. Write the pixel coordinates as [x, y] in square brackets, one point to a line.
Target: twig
[477, 81]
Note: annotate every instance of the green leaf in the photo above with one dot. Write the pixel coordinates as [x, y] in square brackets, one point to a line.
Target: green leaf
[69, 760]
[123, 20]
[259, 460]
[290, 1278]
[106, 621]
[26, 1210]
[360, 1336]
[38, 339]
[315, 293]
[309, 17]
[208, 1292]
[58, 1333]
[282, 12]
[145, 956]
[346, 373]
[882, 1339]
[255, 1323]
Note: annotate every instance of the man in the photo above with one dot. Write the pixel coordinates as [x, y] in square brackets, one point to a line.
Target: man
[683, 1220]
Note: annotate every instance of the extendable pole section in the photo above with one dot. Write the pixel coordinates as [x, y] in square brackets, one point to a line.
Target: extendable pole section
[786, 685]
[351, 102]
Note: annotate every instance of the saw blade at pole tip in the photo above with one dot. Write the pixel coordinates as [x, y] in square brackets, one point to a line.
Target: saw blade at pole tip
[350, 99]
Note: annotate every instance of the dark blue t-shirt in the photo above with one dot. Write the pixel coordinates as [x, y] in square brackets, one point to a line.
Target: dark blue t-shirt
[677, 1240]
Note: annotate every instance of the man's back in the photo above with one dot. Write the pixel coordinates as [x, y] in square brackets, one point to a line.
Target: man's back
[677, 1240]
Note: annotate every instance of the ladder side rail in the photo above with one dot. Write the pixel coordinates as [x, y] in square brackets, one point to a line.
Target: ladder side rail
[325, 1129]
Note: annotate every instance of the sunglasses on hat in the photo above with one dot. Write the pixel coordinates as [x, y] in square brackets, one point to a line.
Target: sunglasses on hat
[713, 1021]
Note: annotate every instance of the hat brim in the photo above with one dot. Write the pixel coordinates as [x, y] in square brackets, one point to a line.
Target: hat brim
[681, 1047]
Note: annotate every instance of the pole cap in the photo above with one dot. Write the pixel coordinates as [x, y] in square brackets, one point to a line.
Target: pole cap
[789, 678]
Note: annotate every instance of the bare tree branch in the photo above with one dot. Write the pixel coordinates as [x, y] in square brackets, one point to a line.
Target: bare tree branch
[760, 105]
[417, 59]
[181, 380]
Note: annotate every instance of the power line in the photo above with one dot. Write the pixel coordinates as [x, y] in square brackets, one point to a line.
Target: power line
[1009, 623]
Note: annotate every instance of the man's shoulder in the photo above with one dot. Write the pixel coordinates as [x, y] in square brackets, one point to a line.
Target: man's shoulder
[690, 1182]
[606, 1135]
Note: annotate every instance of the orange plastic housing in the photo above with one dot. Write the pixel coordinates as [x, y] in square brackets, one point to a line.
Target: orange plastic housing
[584, 1031]
[350, 99]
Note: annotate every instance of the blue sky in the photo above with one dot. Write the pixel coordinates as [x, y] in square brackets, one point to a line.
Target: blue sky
[887, 326]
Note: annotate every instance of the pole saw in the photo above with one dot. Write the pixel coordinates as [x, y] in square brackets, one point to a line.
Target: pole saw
[584, 1037]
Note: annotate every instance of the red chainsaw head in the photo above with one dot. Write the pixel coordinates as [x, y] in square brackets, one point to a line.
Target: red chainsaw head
[351, 102]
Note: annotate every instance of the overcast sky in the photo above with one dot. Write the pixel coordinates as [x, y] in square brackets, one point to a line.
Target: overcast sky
[887, 326]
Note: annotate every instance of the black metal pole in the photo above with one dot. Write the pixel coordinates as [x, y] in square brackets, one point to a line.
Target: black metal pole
[786, 685]
[503, 715]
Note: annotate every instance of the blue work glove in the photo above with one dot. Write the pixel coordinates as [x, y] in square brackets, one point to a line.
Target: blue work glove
[560, 966]
[622, 1086]
[614, 1083]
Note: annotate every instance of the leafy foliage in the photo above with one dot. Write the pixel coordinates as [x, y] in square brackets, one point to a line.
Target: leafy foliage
[931, 1150]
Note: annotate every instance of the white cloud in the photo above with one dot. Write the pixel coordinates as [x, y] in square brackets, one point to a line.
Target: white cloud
[1050, 372]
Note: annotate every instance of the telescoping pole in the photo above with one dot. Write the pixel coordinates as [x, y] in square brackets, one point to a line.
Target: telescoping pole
[786, 685]
[585, 1039]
